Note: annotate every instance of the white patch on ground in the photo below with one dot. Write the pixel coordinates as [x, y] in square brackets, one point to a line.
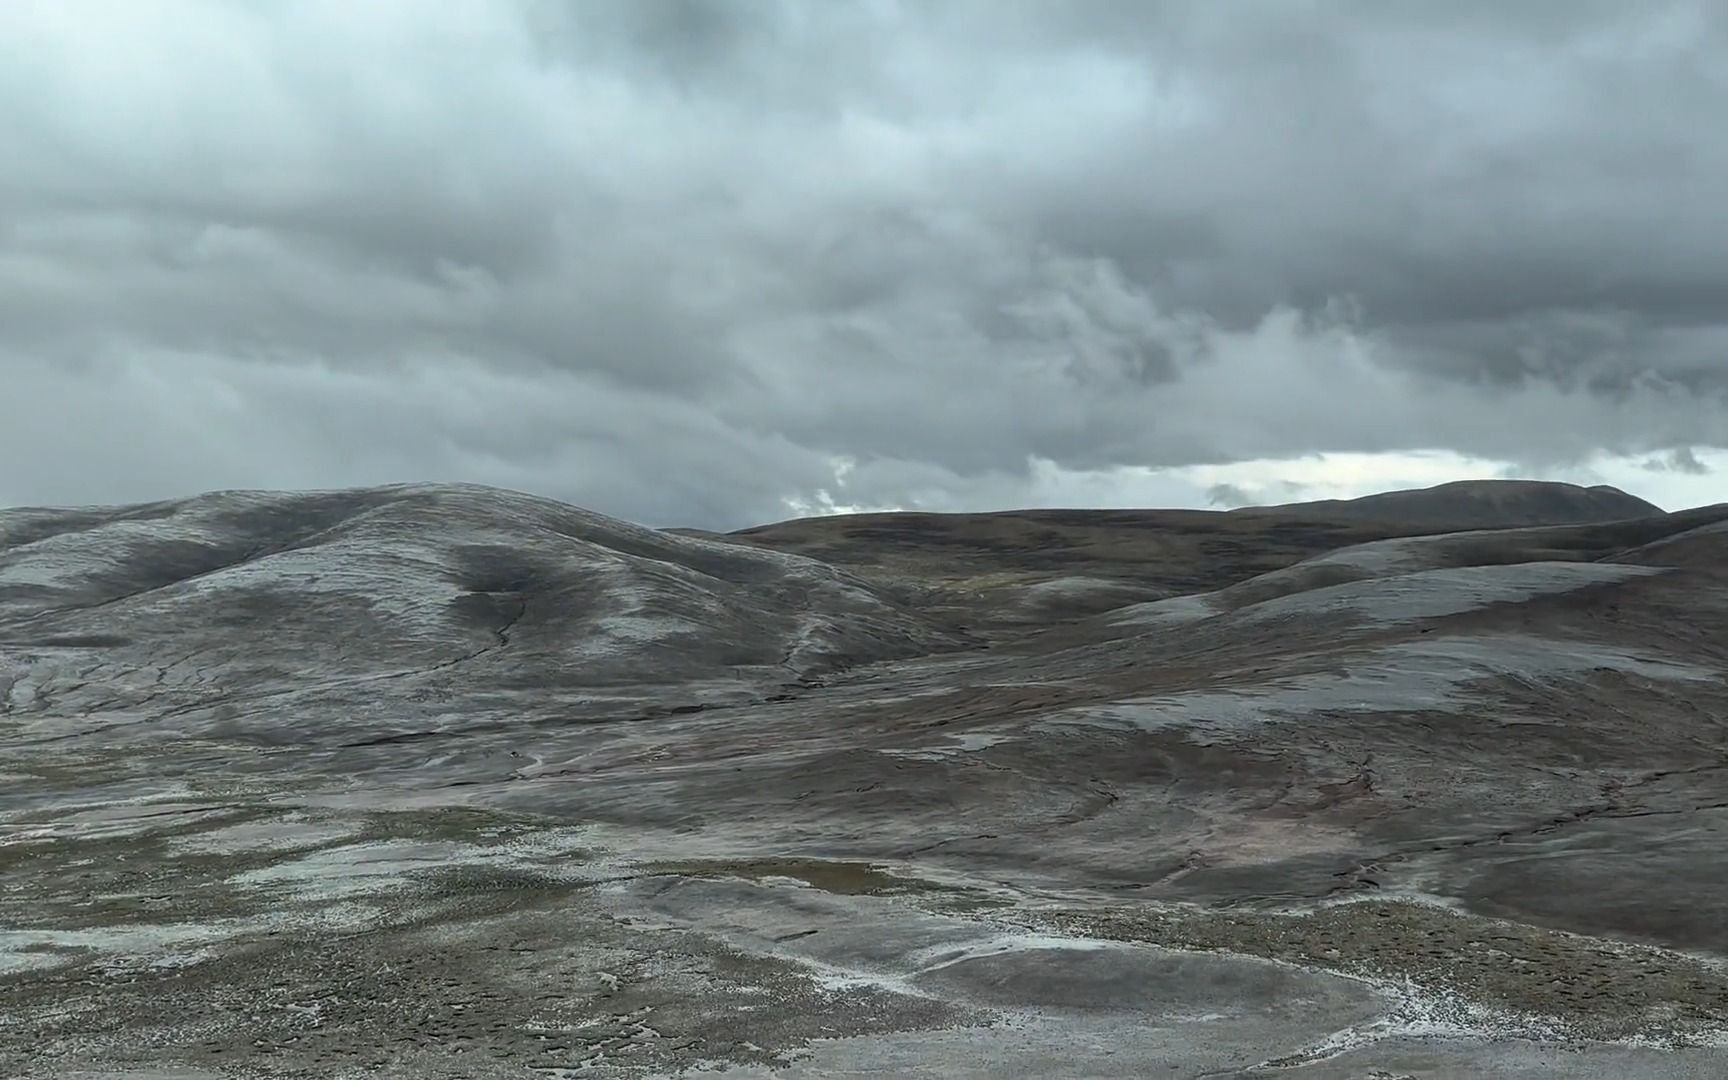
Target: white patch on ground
[1073, 586]
[1428, 594]
[954, 745]
[385, 866]
[40, 570]
[1430, 675]
[66, 559]
[629, 599]
[538, 844]
[278, 834]
[110, 820]
[1428, 1013]
[1397, 554]
[811, 637]
[412, 584]
[176, 943]
[1375, 557]
[630, 631]
[938, 957]
[838, 980]
[1078, 589]
[1175, 611]
[978, 740]
[358, 869]
[1407, 893]
[19, 692]
[1388, 591]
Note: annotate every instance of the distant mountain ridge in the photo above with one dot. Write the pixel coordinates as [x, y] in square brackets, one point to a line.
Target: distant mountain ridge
[1482, 504]
[1105, 555]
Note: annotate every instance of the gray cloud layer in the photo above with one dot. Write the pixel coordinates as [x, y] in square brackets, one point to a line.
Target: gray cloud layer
[681, 259]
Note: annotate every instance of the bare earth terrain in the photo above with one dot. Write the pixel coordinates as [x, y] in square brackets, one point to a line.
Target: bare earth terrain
[444, 781]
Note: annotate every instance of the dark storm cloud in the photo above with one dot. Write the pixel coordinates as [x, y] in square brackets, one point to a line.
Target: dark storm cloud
[1228, 496]
[685, 260]
[1680, 460]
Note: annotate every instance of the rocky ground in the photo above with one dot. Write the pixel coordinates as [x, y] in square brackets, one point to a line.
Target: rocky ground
[442, 781]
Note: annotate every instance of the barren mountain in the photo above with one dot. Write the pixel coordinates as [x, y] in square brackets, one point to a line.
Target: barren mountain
[1484, 504]
[453, 782]
[375, 609]
[1022, 568]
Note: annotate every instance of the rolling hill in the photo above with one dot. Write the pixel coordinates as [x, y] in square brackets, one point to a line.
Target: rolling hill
[441, 781]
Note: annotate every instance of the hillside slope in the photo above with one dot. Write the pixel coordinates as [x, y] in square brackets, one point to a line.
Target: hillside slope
[1026, 568]
[415, 594]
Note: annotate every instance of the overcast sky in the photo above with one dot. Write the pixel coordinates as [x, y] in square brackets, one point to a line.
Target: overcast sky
[715, 262]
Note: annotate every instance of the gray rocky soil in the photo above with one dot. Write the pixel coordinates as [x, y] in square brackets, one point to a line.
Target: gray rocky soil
[443, 781]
